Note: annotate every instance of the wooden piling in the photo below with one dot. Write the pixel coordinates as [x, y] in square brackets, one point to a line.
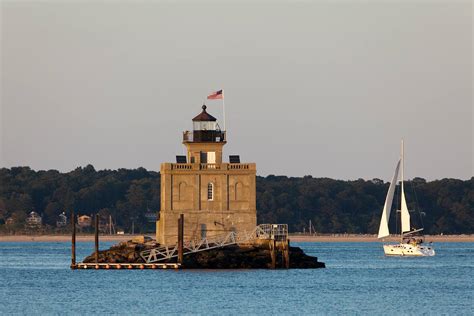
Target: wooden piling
[273, 253]
[73, 240]
[96, 250]
[180, 238]
[286, 253]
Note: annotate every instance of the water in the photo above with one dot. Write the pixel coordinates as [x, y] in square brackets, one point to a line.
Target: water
[35, 279]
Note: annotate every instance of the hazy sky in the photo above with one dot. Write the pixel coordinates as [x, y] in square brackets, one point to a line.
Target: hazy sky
[326, 88]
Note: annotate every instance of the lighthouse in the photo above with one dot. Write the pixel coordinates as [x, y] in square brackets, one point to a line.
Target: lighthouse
[215, 195]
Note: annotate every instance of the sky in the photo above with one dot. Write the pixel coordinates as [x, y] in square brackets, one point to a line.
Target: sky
[321, 88]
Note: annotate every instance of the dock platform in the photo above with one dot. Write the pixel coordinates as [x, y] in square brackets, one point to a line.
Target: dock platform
[117, 266]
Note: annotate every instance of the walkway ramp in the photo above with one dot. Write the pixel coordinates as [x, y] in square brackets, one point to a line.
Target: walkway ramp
[277, 232]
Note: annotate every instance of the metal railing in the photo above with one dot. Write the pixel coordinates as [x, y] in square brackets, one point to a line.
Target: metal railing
[264, 231]
[187, 136]
[214, 136]
[275, 231]
[210, 166]
[237, 166]
[182, 166]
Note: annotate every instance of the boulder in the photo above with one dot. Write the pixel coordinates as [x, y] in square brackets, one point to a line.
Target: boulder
[248, 256]
[141, 239]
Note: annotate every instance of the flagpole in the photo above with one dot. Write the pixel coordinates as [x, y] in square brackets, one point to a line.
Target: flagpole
[223, 109]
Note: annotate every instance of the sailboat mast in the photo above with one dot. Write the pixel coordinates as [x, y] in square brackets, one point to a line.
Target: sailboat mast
[403, 163]
[402, 189]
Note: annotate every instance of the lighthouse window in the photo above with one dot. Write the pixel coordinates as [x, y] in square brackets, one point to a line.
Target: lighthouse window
[210, 191]
[211, 157]
[205, 126]
[203, 231]
[238, 191]
[203, 157]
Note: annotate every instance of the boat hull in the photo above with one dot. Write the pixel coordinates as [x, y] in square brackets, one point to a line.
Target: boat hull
[411, 250]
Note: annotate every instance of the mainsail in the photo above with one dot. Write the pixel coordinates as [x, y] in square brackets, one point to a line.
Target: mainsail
[383, 229]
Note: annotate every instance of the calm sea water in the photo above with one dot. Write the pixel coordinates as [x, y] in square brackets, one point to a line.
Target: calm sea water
[35, 279]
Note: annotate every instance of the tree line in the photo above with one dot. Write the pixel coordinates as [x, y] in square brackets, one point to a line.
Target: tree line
[333, 206]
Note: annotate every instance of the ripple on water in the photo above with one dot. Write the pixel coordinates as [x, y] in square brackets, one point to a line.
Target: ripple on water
[358, 280]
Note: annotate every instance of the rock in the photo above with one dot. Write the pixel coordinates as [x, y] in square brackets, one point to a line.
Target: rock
[141, 239]
[300, 260]
[230, 257]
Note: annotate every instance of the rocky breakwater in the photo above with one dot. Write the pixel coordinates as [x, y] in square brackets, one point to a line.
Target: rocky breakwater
[246, 256]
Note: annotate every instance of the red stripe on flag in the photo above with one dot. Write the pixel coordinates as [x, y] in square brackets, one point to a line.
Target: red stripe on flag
[216, 95]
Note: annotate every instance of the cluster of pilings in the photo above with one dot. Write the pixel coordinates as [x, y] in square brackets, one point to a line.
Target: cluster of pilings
[280, 248]
[97, 265]
[74, 265]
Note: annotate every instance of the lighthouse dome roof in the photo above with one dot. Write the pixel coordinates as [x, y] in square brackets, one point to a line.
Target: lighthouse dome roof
[204, 116]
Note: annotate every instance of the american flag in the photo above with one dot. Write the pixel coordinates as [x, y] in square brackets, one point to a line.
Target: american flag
[216, 95]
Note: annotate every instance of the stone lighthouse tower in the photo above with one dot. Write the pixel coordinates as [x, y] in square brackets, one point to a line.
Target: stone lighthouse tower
[216, 197]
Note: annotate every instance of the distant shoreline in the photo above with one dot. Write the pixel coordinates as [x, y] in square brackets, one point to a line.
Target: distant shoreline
[293, 238]
[66, 238]
[373, 238]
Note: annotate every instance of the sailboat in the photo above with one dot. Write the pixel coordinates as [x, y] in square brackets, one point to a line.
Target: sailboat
[411, 241]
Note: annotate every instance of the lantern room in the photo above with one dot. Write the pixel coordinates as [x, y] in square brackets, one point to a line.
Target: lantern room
[205, 129]
[204, 144]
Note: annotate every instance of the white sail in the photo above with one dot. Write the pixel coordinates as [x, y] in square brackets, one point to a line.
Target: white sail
[383, 229]
[408, 246]
[405, 214]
